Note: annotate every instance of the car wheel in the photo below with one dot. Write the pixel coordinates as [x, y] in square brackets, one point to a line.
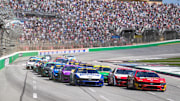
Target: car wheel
[62, 79]
[50, 77]
[75, 82]
[114, 80]
[108, 82]
[53, 77]
[128, 85]
[134, 87]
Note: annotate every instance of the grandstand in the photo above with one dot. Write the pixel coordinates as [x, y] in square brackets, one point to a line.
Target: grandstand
[94, 23]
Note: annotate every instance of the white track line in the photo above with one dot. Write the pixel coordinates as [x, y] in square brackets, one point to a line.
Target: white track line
[152, 93]
[34, 87]
[34, 78]
[35, 95]
[104, 98]
[92, 90]
[170, 99]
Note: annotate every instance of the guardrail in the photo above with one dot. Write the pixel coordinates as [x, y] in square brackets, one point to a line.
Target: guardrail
[11, 58]
[134, 46]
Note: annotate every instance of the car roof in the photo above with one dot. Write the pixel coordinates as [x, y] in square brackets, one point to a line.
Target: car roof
[98, 66]
[71, 65]
[52, 62]
[86, 68]
[118, 68]
[144, 71]
[60, 58]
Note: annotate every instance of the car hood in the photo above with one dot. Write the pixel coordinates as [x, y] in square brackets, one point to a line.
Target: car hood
[89, 75]
[30, 62]
[121, 76]
[66, 72]
[104, 73]
[151, 79]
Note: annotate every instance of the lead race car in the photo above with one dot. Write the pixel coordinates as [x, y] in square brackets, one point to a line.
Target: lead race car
[31, 62]
[87, 76]
[146, 80]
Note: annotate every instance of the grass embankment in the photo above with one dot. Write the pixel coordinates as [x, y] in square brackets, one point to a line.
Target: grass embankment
[169, 61]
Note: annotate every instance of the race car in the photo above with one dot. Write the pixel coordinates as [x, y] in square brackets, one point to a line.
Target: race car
[41, 65]
[47, 57]
[37, 65]
[76, 63]
[54, 71]
[103, 70]
[61, 60]
[70, 57]
[30, 63]
[85, 65]
[146, 80]
[71, 62]
[64, 74]
[47, 67]
[118, 77]
[82, 64]
[86, 76]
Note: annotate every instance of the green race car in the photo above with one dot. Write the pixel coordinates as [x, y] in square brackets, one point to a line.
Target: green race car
[104, 70]
[46, 68]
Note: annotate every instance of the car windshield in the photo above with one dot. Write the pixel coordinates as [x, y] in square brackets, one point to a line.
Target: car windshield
[37, 61]
[107, 69]
[49, 65]
[32, 60]
[87, 71]
[69, 68]
[48, 57]
[59, 66]
[146, 74]
[70, 56]
[92, 71]
[61, 60]
[124, 71]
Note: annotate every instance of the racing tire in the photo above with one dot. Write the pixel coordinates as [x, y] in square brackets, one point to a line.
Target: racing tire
[128, 86]
[109, 83]
[114, 80]
[53, 77]
[75, 82]
[50, 77]
[134, 85]
[27, 67]
[62, 80]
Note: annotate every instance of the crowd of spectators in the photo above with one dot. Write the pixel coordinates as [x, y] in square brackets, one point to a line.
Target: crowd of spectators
[89, 21]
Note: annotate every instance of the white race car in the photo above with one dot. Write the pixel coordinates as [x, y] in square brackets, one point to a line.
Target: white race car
[30, 63]
[87, 76]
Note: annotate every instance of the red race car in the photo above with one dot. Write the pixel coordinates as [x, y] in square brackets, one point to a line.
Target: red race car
[146, 80]
[119, 76]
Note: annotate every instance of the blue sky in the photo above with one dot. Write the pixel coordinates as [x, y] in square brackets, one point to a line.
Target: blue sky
[171, 1]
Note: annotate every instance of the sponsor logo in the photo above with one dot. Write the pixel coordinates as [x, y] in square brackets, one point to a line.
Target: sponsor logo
[6, 61]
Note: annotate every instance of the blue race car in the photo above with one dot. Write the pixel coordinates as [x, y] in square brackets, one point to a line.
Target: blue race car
[87, 76]
[55, 70]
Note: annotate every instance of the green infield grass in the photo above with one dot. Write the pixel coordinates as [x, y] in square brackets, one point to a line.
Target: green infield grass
[169, 61]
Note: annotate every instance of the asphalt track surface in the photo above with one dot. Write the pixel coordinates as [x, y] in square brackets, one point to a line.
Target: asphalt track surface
[19, 84]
